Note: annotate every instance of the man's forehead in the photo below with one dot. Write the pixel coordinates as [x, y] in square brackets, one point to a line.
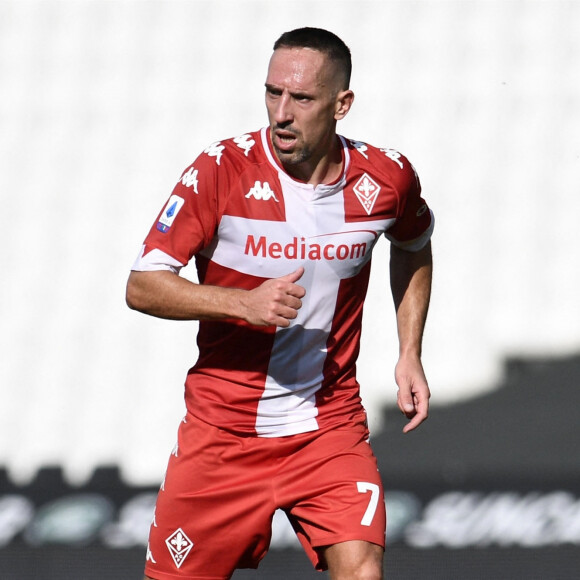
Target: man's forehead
[300, 66]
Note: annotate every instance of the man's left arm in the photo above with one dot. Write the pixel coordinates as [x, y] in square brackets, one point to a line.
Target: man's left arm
[411, 274]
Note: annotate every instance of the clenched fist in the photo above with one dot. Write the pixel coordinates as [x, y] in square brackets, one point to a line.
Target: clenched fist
[275, 302]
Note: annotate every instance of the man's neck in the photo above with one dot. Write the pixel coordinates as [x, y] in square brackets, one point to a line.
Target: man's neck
[324, 170]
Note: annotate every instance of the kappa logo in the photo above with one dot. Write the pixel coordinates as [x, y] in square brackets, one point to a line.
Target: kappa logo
[262, 192]
[245, 142]
[170, 212]
[189, 179]
[215, 150]
[393, 155]
[360, 147]
[367, 190]
[179, 546]
[149, 556]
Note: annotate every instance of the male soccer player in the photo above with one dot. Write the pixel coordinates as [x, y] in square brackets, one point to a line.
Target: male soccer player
[282, 223]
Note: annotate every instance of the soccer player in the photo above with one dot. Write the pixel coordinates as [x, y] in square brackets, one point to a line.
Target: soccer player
[281, 223]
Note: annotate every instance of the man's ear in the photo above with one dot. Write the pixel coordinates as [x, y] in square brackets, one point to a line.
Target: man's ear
[344, 101]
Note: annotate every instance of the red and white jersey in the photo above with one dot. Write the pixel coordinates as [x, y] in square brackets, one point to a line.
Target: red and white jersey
[245, 220]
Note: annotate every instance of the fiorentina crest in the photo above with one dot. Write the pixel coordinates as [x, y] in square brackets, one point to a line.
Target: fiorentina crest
[179, 546]
[367, 191]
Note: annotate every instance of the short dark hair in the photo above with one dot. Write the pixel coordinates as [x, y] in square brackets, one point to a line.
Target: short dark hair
[323, 41]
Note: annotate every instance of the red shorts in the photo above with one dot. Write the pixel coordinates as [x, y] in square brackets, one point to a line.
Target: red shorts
[214, 510]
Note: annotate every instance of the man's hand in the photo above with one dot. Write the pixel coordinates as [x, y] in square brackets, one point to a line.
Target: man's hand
[274, 302]
[413, 395]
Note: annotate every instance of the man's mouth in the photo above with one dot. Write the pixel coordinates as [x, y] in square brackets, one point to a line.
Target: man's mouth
[284, 140]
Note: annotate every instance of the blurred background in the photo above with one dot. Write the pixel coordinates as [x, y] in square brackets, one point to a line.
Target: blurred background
[104, 103]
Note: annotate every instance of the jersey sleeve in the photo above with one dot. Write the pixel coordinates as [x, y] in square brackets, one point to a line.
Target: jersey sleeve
[188, 220]
[415, 221]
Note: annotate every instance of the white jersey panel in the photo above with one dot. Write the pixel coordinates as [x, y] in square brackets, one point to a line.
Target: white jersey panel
[299, 351]
[295, 373]
[316, 236]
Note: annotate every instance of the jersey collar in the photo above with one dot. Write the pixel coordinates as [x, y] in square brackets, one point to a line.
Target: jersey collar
[322, 189]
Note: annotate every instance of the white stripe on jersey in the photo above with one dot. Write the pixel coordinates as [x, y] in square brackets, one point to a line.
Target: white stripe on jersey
[314, 219]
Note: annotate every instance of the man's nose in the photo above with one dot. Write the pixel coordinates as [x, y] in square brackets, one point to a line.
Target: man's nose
[283, 113]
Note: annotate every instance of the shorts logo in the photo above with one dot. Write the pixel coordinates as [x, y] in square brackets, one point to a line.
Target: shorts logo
[179, 546]
[170, 212]
[367, 191]
[149, 557]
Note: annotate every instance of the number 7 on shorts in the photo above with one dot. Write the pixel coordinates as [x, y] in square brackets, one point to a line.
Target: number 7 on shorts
[364, 487]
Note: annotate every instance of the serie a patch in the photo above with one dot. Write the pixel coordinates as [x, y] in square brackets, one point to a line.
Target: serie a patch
[170, 212]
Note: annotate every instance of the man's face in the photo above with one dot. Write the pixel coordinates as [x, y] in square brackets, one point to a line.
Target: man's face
[302, 103]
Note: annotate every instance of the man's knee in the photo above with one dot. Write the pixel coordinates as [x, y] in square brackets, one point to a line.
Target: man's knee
[364, 571]
[355, 560]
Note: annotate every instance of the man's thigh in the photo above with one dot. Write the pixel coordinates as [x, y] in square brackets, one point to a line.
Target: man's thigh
[335, 493]
[213, 512]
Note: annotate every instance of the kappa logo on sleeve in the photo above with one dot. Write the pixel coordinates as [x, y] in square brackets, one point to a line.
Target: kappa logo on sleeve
[215, 150]
[170, 212]
[361, 147]
[393, 155]
[189, 179]
[245, 142]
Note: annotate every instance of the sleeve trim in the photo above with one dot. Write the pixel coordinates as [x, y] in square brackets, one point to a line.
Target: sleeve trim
[416, 244]
[155, 260]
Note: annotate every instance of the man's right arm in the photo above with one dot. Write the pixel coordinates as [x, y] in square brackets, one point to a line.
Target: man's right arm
[165, 294]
